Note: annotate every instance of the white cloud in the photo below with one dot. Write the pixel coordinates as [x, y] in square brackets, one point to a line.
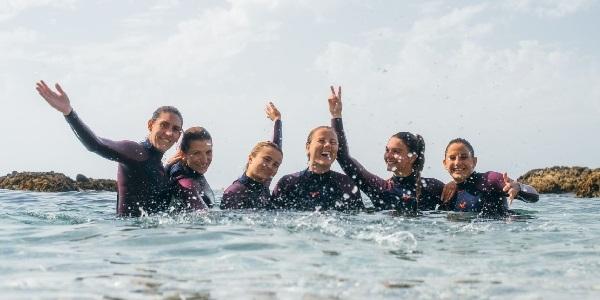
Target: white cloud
[549, 8]
[11, 8]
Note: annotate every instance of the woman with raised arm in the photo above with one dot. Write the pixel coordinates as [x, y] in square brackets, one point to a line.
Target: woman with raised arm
[143, 186]
[318, 187]
[186, 170]
[406, 190]
[251, 190]
[484, 193]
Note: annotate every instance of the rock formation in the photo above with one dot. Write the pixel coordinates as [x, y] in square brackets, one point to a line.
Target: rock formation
[584, 182]
[53, 182]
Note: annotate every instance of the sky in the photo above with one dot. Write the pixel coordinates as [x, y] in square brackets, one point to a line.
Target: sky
[519, 79]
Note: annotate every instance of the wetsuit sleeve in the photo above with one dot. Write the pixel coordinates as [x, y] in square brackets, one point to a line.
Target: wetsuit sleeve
[526, 193]
[123, 151]
[190, 195]
[369, 183]
[233, 196]
[279, 197]
[278, 134]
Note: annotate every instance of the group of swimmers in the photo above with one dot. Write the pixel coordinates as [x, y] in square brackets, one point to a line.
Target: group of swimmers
[146, 186]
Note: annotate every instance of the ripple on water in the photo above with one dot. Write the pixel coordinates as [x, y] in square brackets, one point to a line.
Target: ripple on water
[54, 244]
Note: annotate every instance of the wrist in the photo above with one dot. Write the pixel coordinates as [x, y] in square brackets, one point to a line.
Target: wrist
[67, 111]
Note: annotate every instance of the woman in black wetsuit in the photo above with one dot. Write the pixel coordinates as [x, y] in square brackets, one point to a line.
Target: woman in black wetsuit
[186, 171]
[143, 186]
[318, 187]
[483, 193]
[404, 156]
[251, 190]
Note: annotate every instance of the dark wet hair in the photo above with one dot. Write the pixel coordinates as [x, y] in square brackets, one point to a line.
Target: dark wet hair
[166, 109]
[191, 134]
[261, 145]
[460, 141]
[416, 145]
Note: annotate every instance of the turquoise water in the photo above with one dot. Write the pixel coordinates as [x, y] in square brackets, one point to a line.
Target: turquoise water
[71, 245]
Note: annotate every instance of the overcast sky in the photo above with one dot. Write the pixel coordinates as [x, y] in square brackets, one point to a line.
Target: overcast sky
[519, 79]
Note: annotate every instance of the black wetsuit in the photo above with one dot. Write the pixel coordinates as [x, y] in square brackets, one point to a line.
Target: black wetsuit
[306, 190]
[483, 193]
[397, 193]
[142, 183]
[246, 192]
[189, 188]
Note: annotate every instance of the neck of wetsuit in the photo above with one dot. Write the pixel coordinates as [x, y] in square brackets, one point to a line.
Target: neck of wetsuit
[247, 180]
[469, 181]
[412, 178]
[152, 151]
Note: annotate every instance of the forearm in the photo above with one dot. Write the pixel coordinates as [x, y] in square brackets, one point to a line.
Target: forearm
[527, 193]
[278, 134]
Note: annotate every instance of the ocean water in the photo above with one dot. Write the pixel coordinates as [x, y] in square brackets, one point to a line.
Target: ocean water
[71, 246]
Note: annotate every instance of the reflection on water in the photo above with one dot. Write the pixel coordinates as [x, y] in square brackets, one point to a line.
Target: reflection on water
[71, 245]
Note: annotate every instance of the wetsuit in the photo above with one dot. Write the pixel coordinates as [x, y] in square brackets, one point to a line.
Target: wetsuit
[395, 193]
[306, 190]
[246, 192]
[482, 193]
[189, 188]
[141, 180]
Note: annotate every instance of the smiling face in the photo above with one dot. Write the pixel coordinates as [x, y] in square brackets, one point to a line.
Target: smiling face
[263, 165]
[164, 130]
[199, 155]
[459, 162]
[322, 150]
[398, 158]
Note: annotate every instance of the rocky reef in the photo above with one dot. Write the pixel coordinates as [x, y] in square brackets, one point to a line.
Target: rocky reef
[584, 182]
[54, 182]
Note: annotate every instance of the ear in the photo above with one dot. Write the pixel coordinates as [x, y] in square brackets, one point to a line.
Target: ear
[474, 162]
[307, 153]
[249, 159]
[150, 123]
[444, 164]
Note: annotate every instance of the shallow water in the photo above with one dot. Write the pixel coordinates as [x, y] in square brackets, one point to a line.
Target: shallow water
[71, 245]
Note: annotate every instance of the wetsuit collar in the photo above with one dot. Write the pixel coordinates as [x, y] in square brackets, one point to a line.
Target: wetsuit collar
[151, 149]
[247, 181]
[180, 169]
[310, 174]
[412, 178]
[472, 179]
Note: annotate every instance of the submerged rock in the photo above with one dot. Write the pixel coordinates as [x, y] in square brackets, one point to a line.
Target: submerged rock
[53, 182]
[584, 182]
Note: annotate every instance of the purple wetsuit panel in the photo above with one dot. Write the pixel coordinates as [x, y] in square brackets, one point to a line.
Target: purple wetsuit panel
[189, 188]
[245, 192]
[395, 193]
[306, 190]
[141, 180]
[482, 193]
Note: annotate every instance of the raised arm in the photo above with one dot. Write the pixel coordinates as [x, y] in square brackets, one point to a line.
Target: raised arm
[275, 116]
[124, 151]
[519, 190]
[368, 182]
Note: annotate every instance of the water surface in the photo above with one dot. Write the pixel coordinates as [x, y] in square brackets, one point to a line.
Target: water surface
[71, 245]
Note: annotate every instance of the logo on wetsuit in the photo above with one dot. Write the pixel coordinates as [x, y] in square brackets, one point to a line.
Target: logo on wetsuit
[467, 202]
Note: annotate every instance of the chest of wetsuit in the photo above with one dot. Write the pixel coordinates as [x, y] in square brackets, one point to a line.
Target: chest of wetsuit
[246, 193]
[481, 193]
[142, 183]
[306, 190]
[189, 189]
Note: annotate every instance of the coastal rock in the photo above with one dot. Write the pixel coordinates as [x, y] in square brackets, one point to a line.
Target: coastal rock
[584, 182]
[53, 182]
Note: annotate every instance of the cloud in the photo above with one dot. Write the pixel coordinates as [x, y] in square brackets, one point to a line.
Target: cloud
[11, 8]
[549, 8]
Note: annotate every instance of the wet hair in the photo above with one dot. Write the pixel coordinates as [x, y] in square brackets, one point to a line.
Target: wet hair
[460, 141]
[166, 109]
[312, 132]
[416, 145]
[191, 134]
[259, 146]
